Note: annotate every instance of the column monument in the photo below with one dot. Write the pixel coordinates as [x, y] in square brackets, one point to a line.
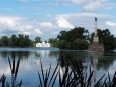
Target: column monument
[96, 38]
[95, 46]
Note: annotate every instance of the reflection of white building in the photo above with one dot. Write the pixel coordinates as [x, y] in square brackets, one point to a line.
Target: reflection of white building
[62, 72]
[42, 52]
[43, 44]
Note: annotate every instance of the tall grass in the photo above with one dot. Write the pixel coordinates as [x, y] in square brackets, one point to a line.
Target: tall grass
[14, 67]
[74, 75]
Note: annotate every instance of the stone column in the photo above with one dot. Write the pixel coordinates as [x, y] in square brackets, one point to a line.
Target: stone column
[95, 38]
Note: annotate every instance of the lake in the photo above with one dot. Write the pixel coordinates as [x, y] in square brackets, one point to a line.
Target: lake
[30, 62]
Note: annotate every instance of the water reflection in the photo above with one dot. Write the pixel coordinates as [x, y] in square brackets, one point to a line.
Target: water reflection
[94, 57]
[40, 53]
[101, 62]
[105, 60]
[19, 54]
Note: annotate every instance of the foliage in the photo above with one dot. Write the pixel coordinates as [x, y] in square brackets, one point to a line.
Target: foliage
[14, 71]
[62, 44]
[114, 42]
[53, 42]
[4, 40]
[37, 39]
[16, 41]
[80, 44]
[105, 38]
[23, 40]
[13, 41]
[14, 67]
[63, 75]
[73, 39]
[74, 76]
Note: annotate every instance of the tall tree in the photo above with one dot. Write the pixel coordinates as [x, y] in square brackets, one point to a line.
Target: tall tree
[105, 38]
[1, 42]
[69, 37]
[53, 42]
[37, 39]
[13, 41]
[21, 40]
[26, 41]
[4, 40]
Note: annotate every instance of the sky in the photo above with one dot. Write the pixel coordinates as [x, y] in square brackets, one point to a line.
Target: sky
[46, 18]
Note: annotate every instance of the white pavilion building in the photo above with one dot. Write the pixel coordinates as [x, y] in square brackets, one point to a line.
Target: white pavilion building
[43, 44]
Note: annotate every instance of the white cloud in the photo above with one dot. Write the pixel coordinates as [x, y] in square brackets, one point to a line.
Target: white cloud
[85, 20]
[22, 27]
[18, 25]
[63, 23]
[93, 5]
[46, 25]
[26, 33]
[25, 0]
[111, 24]
[11, 21]
[13, 25]
[38, 32]
[83, 15]
[54, 32]
[81, 1]
[104, 4]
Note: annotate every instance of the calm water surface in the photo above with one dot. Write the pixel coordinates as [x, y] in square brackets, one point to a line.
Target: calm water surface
[30, 57]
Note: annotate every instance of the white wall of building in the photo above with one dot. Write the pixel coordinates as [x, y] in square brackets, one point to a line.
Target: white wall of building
[43, 44]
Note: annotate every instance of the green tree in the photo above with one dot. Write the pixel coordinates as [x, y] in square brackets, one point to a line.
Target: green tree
[105, 38]
[80, 44]
[13, 41]
[61, 44]
[4, 40]
[62, 35]
[114, 43]
[69, 37]
[26, 41]
[37, 39]
[21, 40]
[16, 41]
[1, 43]
[53, 42]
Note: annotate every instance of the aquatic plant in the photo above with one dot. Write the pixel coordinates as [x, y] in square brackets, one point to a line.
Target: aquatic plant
[14, 67]
[14, 71]
[72, 76]
[44, 79]
[63, 75]
[2, 80]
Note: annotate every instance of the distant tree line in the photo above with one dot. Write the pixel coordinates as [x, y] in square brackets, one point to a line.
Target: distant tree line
[16, 41]
[80, 38]
[20, 40]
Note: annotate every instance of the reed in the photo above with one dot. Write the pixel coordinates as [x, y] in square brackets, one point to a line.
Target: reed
[44, 79]
[74, 75]
[14, 67]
